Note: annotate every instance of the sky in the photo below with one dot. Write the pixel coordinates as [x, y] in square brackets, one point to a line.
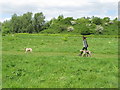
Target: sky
[54, 8]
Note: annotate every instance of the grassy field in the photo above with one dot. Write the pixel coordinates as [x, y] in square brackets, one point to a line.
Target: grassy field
[0, 60]
[54, 62]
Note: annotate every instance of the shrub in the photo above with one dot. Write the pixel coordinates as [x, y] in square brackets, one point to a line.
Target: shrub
[70, 28]
[99, 29]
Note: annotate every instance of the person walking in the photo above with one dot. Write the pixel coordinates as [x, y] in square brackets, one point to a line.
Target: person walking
[85, 45]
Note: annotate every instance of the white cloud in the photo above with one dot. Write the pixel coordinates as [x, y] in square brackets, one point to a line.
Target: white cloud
[53, 8]
[107, 1]
[4, 19]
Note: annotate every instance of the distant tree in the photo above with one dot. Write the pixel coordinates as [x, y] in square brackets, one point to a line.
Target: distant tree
[47, 25]
[30, 28]
[26, 22]
[14, 23]
[85, 30]
[88, 18]
[67, 20]
[116, 19]
[82, 20]
[106, 19]
[60, 17]
[62, 28]
[119, 27]
[0, 26]
[39, 21]
[6, 27]
[97, 20]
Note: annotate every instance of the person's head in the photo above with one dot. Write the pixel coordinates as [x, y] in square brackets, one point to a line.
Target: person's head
[84, 37]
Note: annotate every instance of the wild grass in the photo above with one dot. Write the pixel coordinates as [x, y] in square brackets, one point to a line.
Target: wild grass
[0, 60]
[54, 62]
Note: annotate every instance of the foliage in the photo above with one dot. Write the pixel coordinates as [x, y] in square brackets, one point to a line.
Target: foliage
[106, 19]
[24, 23]
[97, 21]
[29, 23]
[70, 28]
[38, 21]
[99, 29]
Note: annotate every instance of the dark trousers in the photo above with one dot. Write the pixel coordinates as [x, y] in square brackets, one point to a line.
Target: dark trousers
[84, 48]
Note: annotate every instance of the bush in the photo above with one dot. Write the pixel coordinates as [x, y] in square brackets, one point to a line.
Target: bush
[99, 29]
[85, 30]
[70, 28]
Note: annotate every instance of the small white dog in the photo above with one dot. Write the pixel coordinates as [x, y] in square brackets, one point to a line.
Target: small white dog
[85, 53]
[28, 50]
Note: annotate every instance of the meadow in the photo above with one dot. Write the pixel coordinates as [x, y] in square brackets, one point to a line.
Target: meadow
[54, 62]
[0, 60]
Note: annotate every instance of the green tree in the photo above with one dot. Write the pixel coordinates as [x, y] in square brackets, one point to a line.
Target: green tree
[6, 27]
[0, 26]
[60, 17]
[97, 20]
[67, 20]
[27, 22]
[39, 21]
[30, 28]
[106, 19]
[82, 20]
[118, 27]
[47, 25]
[14, 23]
[85, 30]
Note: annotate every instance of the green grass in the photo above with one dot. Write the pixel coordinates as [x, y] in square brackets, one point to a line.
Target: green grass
[54, 62]
[0, 60]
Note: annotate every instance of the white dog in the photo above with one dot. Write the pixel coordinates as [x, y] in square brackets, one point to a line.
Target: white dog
[85, 53]
[28, 50]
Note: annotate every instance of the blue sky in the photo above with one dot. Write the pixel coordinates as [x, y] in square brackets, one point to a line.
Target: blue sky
[54, 8]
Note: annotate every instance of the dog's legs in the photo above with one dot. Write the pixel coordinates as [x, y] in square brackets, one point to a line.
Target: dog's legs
[86, 54]
[89, 54]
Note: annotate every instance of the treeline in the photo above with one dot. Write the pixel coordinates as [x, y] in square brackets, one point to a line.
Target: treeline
[25, 23]
[29, 23]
